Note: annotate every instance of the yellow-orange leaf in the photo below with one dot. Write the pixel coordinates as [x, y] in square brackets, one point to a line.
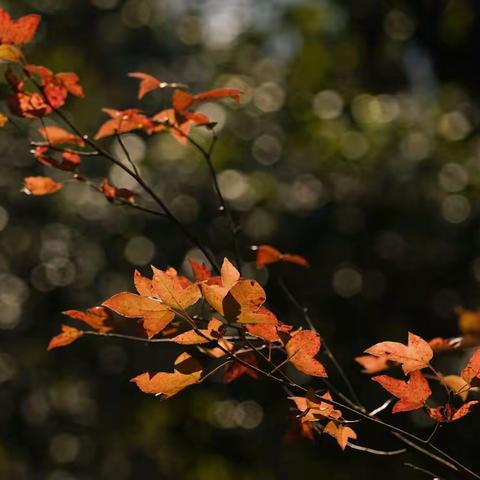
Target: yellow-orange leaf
[212, 332]
[414, 356]
[340, 432]
[301, 349]
[173, 289]
[68, 336]
[40, 186]
[95, 317]
[187, 371]
[10, 53]
[3, 120]
[216, 288]
[156, 315]
[313, 408]
[243, 304]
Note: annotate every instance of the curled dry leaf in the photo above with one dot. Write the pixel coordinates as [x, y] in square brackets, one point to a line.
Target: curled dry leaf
[113, 193]
[472, 370]
[187, 371]
[340, 432]
[68, 336]
[68, 162]
[95, 317]
[447, 413]
[20, 31]
[40, 186]
[457, 385]
[301, 349]
[266, 254]
[156, 315]
[28, 105]
[414, 356]
[372, 364]
[313, 408]
[412, 394]
[58, 136]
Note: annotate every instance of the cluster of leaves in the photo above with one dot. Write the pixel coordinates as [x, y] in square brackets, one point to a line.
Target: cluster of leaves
[216, 315]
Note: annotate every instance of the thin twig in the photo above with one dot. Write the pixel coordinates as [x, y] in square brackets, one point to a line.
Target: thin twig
[423, 470]
[126, 152]
[327, 350]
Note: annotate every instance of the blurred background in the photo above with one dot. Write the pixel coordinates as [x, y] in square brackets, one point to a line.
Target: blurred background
[356, 144]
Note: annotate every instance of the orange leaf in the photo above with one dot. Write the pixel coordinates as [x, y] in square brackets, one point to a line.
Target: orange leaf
[184, 100]
[149, 83]
[415, 356]
[3, 120]
[156, 315]
[28, 105]
[200, 270]
[472, 370]
[439, 344]
[143, 284]
[173, 289]
[17, 32]
[187, 371]
[447, 413]
[69, 162]
[216, 288]
[122, 122]
[270, 333]
[314, 409]
[243, 304]
[341, 432]
[40, 186]
[232, 93]
[301, 349]
[266, 255]
[212, 332]
[95, 317]
[372, 364]
[412, 394]
[68, 336]
[57, 136]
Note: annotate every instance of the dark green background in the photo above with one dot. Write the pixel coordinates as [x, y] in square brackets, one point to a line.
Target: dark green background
[356, 145]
